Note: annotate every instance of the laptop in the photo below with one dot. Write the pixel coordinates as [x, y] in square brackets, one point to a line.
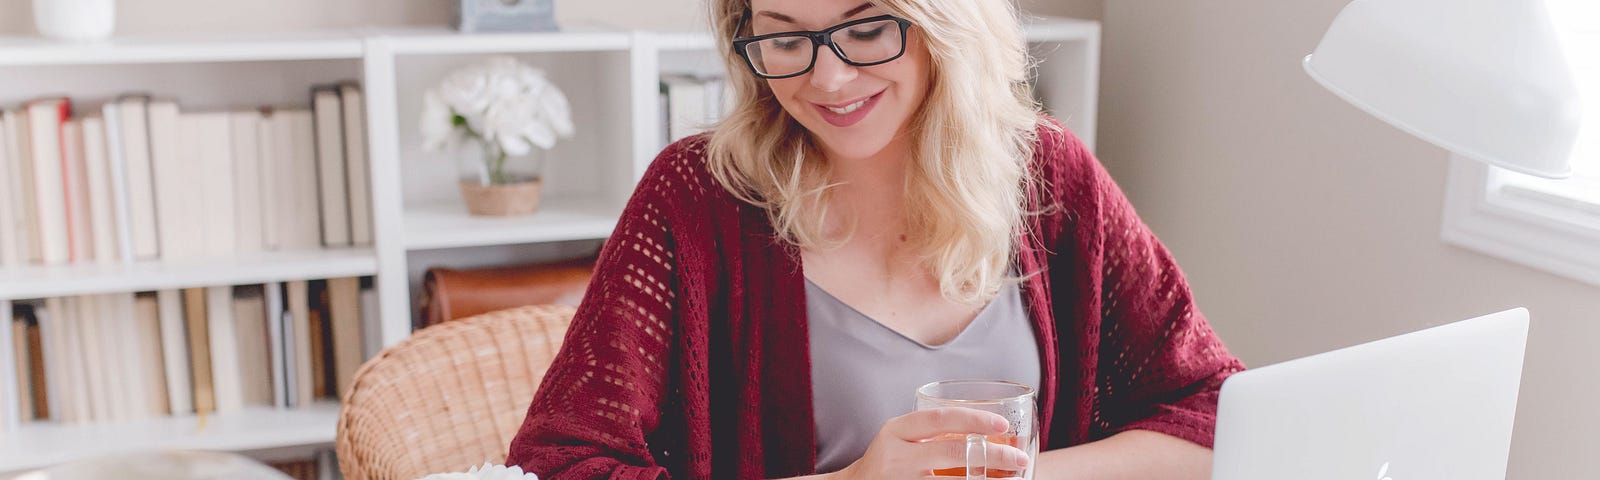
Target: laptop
[1436, 404]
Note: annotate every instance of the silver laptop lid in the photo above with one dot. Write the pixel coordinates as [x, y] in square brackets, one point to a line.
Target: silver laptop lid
[1436, 404]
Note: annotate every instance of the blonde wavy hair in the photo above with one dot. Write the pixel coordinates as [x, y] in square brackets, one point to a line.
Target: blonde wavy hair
[973, 137]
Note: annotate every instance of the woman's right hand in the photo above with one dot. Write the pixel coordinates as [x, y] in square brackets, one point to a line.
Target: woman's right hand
[911, 446]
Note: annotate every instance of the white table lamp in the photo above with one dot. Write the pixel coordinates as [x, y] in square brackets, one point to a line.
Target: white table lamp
[1485, 79]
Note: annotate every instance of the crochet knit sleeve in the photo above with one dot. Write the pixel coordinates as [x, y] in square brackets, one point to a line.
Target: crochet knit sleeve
[601, 397]
[1160, 364]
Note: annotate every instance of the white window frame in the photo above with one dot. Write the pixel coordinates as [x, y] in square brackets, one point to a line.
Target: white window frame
[1541, 229]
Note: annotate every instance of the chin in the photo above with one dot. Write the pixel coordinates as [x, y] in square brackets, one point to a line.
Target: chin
[852, 145]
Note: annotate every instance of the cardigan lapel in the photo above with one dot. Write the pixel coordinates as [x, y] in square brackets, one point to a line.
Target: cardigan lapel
[781, 349]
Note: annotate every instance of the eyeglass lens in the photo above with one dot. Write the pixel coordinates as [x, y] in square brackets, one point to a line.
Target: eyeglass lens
[861, 44]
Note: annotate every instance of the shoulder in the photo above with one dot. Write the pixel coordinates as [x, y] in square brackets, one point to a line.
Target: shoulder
[680, 173]
[1064, 166]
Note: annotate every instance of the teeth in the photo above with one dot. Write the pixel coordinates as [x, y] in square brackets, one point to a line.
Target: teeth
[848, 108]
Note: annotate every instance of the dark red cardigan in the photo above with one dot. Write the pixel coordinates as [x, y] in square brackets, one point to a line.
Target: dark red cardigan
[688, 358]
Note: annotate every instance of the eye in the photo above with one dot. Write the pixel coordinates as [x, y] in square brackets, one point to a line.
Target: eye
[870, 33]
[788, 44]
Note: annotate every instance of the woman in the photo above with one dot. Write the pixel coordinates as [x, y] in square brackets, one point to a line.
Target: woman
[884, 205]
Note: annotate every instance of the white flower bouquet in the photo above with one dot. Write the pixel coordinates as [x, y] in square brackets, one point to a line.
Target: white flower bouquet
[487, 471]
[507, 106]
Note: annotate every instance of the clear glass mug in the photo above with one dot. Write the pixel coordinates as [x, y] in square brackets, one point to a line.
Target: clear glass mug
[1014, 401]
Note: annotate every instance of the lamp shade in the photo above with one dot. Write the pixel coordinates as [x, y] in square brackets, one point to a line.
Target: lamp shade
[1485, 79]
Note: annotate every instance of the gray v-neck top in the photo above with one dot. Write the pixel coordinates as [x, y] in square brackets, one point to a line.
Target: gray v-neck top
[863, 373]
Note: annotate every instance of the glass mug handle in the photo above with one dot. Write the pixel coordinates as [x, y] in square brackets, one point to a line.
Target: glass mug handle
[977, 456]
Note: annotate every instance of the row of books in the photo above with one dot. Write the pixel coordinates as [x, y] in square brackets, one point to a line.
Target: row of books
[120, 357]
[690, 103]
[139, 179]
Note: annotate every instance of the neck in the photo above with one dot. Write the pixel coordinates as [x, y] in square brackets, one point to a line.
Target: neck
[872, 189]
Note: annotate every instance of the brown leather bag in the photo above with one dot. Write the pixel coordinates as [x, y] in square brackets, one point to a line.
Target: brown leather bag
[449, 294]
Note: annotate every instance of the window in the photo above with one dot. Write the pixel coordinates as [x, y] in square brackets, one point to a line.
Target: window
[1549, 224]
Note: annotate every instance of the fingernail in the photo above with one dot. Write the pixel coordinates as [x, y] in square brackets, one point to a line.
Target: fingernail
[1022, 462]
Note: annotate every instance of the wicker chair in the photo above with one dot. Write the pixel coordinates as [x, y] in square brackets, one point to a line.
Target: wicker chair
[448, 398]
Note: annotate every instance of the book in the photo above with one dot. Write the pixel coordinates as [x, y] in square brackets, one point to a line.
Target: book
[117, 181]
[358, 173]
[273, 161]
[227, 387]
[693, 103]
[294, 168]
[332, 193]
[53, 344]
[321, 341]
[247, 171]
[74, 172]
[113, 320]
[299, 327]
[21, 362]
[277, 344]
[24, 199]
[102, 226]
[175, 352]
[87, 313]
[131, 401]
[53, 230]
[250, 330]
[153, 374]
[372, 328]
[134, 401]
[10, 174]
[176, 198]
[134, 120]
[76, 406]
[344, 307]
[195, 319]
[36, 373]
[212, 147]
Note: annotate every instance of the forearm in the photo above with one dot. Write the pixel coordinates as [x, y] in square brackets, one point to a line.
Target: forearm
[1131, 455]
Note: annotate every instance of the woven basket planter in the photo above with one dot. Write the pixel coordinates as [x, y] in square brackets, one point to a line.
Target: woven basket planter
[501, 200]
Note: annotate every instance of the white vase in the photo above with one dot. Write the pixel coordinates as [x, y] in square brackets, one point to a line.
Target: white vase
[75, 19]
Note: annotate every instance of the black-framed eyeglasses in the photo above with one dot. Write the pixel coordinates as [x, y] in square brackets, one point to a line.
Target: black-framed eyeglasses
[862, 43]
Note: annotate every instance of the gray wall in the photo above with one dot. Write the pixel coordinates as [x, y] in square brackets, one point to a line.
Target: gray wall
[1303, 224]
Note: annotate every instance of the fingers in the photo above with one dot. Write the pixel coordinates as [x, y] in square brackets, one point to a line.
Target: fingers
[928, 424]
[953, 454]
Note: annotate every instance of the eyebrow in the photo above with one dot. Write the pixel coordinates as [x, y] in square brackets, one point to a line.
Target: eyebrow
[788, 19]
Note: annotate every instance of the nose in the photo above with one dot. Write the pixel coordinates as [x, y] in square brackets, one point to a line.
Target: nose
[831, 73]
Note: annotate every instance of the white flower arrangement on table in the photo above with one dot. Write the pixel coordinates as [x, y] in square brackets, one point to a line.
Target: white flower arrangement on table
[506, 105]
[487, 471]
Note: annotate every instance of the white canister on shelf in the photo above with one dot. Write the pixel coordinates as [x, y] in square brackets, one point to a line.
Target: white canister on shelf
[75, 19]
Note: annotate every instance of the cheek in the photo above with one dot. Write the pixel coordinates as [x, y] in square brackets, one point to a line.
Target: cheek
[784, 89]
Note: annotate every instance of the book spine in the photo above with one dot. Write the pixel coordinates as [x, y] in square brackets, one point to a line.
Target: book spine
[50, 182]
[359, 174]
[117, 170]
[138, 150]
[331, 192]
[175, 352]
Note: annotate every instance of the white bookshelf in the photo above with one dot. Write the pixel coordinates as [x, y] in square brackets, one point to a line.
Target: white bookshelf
[32, 51]
[610, 76]
[87, 279]
[40, 445]
[446, 224]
